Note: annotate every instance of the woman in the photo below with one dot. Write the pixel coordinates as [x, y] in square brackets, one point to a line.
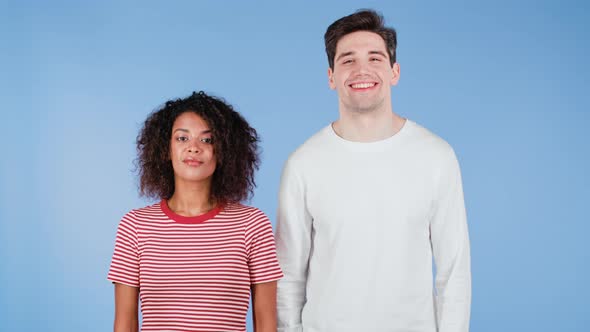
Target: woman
[194, 257]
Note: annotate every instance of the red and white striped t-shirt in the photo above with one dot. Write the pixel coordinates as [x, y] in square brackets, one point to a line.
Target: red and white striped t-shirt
[194, 273]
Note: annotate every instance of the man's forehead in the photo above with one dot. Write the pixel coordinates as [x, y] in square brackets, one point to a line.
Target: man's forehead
[361, 41]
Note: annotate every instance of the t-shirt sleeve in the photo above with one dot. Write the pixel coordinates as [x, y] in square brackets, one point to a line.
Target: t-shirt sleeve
[125, 263]
[261, 249]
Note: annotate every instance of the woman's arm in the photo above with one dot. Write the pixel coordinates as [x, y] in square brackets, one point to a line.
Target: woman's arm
[126, 315]
[264, 306]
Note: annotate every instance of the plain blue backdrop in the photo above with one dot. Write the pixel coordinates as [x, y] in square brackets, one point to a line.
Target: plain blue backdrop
[505, 83]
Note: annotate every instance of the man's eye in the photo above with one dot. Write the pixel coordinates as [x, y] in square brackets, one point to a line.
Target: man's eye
[207, 140]
[347, 61]
[375, 59]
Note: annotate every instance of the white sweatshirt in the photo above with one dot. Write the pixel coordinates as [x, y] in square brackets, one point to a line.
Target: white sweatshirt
[358, 225]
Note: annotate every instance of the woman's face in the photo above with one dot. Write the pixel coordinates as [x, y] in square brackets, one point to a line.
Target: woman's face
[191, 149]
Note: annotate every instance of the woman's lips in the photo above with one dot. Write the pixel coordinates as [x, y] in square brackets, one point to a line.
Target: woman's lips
[192, 162]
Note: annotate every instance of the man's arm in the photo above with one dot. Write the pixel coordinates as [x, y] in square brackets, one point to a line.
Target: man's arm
[126, 315]
[293, 238]
[264, 305]
[450, 244]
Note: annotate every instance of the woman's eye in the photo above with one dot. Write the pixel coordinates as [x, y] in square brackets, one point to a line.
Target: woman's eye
[207, 140]
[182, 138]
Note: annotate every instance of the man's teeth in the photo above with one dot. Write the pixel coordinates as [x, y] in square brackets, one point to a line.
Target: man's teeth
[362, 85]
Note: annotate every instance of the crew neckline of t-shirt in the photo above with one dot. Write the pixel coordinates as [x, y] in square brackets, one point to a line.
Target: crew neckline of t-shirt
[189, 220]
[372, 146]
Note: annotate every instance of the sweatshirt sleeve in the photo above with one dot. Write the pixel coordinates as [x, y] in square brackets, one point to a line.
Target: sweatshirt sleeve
[294, 226]
[450, 244]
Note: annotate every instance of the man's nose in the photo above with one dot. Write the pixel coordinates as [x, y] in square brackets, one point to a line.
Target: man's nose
[362, 67]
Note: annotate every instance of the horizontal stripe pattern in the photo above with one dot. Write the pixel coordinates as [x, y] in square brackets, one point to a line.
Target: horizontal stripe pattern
[194, 276]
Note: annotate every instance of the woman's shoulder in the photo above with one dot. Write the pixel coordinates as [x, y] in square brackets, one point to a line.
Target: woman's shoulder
[147, 212]
[244, 211]
[239, 208]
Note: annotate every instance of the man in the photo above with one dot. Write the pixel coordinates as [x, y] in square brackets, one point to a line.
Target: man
[367, 203]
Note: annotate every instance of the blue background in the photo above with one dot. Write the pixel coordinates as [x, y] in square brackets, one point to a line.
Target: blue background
[506, 83]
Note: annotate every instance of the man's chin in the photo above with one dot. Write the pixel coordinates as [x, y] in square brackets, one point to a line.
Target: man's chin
[363, 108]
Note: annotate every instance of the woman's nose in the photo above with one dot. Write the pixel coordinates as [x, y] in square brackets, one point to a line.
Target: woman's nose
[194, 147]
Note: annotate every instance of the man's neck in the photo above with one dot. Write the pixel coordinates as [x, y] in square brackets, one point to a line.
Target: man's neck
[368, 127]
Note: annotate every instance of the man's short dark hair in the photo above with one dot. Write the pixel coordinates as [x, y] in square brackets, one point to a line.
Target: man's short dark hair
[362, 20]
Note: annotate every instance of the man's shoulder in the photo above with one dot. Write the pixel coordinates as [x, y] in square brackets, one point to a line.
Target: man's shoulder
[430, 148]
[426, 139]
[315, 145]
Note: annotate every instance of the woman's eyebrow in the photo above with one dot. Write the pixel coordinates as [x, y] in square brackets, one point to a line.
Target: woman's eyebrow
[206, 131]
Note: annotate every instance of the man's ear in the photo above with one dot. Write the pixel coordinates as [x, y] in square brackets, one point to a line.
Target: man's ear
[331, 79]
[395, 70]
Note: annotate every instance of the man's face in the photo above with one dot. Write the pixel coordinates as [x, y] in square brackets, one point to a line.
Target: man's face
[362, 74]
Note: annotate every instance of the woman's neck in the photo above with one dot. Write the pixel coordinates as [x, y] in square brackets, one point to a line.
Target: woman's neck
[191, 200]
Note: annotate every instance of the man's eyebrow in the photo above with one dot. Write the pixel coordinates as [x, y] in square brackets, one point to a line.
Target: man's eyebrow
[352, 52]
[344, 54]
[378, 52]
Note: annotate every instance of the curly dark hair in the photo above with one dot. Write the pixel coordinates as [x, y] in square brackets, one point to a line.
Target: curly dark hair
[362, 20]
[235, 144]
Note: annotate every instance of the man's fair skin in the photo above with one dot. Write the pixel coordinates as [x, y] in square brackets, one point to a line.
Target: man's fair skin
[363, 78]
[193, 160]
